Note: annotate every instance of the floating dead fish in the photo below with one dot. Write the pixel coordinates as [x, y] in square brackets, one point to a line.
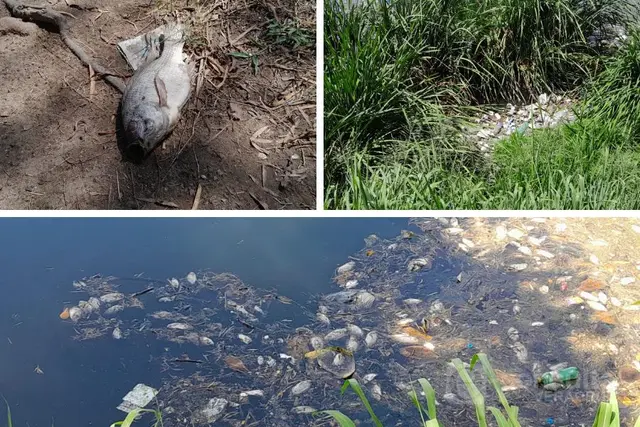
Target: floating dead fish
[79, 285]
[258, 310]
[371, 339]
[351, 284]
[163, 315]
[602, 297]
[515, 233]
[244, 338]
[521, 352]
[518, 267]
[303, 410]
[368, 378]
[417, 352]
[317, 343]
[75, 314]
[117, 333]
[113, 310]
[545, 254]
[418, 264]
[589, 297]
[574, 300]
[405, 322]
[376, 391]
[257, 393]
[412, 301]
[364, 300]
[406, 339]
[352, 344]
[336, 334]
[596, 306]
[112, 297]
[301, 387]
[206, 341]
[322, 318]
[236, 364]
[191, 278]
[214, 410]
[167, 299]
[345, 268]
[174, 283]
[355, 330]
[338, 362]
[179, 326]
[94, 303]
[323, 309]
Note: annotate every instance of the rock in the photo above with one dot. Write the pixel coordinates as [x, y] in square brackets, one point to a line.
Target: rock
[10, 25]
[345, 268]
[214, 409]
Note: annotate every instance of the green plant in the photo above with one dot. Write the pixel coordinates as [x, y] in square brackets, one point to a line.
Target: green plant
[289, 33]
[607, 415]
[133, 415]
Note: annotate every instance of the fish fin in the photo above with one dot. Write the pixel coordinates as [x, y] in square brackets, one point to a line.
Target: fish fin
[162, 91]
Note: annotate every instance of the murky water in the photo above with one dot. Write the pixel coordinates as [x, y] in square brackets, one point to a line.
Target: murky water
[264, 293]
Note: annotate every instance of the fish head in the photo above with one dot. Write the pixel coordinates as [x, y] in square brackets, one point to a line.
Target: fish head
[145, 129]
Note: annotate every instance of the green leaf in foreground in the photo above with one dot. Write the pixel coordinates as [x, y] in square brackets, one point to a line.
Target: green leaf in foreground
[356, 387]
[341, 418]
[9, 421]
[131, 417]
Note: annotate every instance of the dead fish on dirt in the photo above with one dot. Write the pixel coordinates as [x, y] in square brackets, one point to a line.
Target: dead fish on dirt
[155, 95]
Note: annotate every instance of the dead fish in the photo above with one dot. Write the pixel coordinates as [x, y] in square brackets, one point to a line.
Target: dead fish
[79, 285]
[364, 300]
[351, 284]
[417, 352]
[376, 391]
[355, 330]
[191, 278]
[163, 315]
[596, 306]
[317, 343]
[94, 303]
[155, 96]
[117, 333]
[303, 410]
[244, 338]
[75, 313]
[418, 264]
[111, 297]
[371, 339]
[235, 363]
[352, 344]
[345, 268]
[245, 394]
[166, 299]
[301, 387]
[323, 309]
[322, 318]
[412, 301]
[179, 326]
[258, 310]
[206, 341]
[336, 334]
[113, 310]
[368, 378]
[174, 283]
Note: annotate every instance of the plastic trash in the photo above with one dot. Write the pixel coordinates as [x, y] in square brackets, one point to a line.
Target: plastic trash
[560, 376]
[137, 398]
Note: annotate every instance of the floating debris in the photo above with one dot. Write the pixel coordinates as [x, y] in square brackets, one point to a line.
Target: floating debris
[75, 314]
[244, 338]
[371, 339]
[65, 314]
[345, 268]
[301, 387]
[191, 278]
[113, 310]
[213, 411]
[138, 398]
[418, 264]
[111, 298]
[236, 364]
[117, 333]
[180, 326]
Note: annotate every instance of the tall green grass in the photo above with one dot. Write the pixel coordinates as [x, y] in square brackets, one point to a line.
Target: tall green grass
[608, 414]
[401, 78]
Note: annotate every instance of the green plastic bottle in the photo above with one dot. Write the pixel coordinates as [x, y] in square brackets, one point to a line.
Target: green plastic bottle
[560, 376]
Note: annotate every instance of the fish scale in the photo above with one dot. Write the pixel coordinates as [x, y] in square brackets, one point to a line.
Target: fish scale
[146, 120]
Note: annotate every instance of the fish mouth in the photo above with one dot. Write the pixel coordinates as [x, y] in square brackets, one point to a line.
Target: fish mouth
[135, 152]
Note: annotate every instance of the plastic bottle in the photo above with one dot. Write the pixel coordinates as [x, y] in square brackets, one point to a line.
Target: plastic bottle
[559, 376]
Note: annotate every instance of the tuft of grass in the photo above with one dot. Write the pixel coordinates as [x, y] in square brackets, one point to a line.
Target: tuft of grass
[133, 415]
[400, 79]
[607, 415]
[289, 33]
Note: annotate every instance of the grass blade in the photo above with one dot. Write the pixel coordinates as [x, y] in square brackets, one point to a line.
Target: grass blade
[341, 418]
[512, 411]
[355, 385]
[476, 396]
[9, 420]
[430, 395]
